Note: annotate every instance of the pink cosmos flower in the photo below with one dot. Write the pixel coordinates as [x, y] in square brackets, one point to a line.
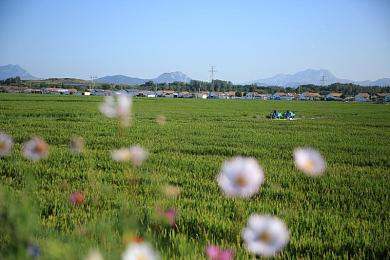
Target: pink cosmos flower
[77, 198]
[216, 253]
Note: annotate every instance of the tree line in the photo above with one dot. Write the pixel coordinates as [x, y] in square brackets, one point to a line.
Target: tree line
[203, 86]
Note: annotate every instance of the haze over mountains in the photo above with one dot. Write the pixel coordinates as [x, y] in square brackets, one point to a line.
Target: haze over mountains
[315, 77]
[309, 76]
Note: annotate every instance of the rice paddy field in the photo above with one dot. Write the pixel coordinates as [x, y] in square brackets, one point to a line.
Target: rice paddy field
[342, 214]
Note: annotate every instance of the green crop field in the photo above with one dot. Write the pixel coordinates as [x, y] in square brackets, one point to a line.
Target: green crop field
[343, 214]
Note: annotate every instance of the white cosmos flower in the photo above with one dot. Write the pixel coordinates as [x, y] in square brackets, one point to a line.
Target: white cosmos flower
[136, 154]
[121, 155]
[309, 161]
[35, 149]
[140, 251]
[108, 107]
[265, 235]
[121, 108]
[124, 104]
[6, 144]
[241, 177]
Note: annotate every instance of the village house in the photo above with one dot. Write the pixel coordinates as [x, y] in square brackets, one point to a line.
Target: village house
[56, 91]
[100, 92]
[334, 96]
[37, 91]
[252, 95]
[167, 93]
[310, 96]
[202, 95]
[381, 97]
[230, 94]
[216, 95]
[149, 94]
[185, 94]
[133, 92]
[362, 97]
[282, 96]
[264, 96]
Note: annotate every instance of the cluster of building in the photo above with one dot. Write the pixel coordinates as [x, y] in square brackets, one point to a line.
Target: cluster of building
[334, 96]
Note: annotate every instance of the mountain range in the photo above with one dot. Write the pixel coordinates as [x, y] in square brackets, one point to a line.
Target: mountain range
[171, 77]
[315, 77]
[309, 76]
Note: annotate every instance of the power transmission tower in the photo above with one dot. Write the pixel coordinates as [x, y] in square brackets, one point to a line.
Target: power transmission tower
[212, 74]
[323, 79]
[93, 81]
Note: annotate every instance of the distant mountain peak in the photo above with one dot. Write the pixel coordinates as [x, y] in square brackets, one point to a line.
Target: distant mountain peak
[315, 77]
[308, 76]
[14, 70]
[168, 77]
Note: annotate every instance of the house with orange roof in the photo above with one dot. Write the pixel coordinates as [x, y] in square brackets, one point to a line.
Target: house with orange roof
[309, 96]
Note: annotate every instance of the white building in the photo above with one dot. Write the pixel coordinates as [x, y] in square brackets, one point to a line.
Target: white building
[362, 97]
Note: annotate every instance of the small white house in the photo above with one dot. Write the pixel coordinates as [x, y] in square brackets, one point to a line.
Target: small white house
[334, 96]
[362, 97]
[149, 94]
[202, 95]
[282, 96]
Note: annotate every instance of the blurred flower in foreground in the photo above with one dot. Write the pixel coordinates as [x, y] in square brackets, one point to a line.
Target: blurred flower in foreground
[35, 149]
[76, 145]
[121, 108]
[140, 251]
[171, 191]
[168, 215]
[309, 161]
[94, 254]
[77, 198]
[240, 177]
[265, 235]
[121, 155]
[136, 154]
[6, 144]
[33, 250]
[161, 120]
[215, 253]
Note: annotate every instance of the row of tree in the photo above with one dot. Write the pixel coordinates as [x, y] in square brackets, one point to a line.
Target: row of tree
[224, 86]
[198, 86]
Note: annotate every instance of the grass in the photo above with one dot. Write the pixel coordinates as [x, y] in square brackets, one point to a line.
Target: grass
[343, 214]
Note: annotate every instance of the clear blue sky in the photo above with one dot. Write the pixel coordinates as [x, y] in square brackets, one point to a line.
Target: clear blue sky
[245, 40]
